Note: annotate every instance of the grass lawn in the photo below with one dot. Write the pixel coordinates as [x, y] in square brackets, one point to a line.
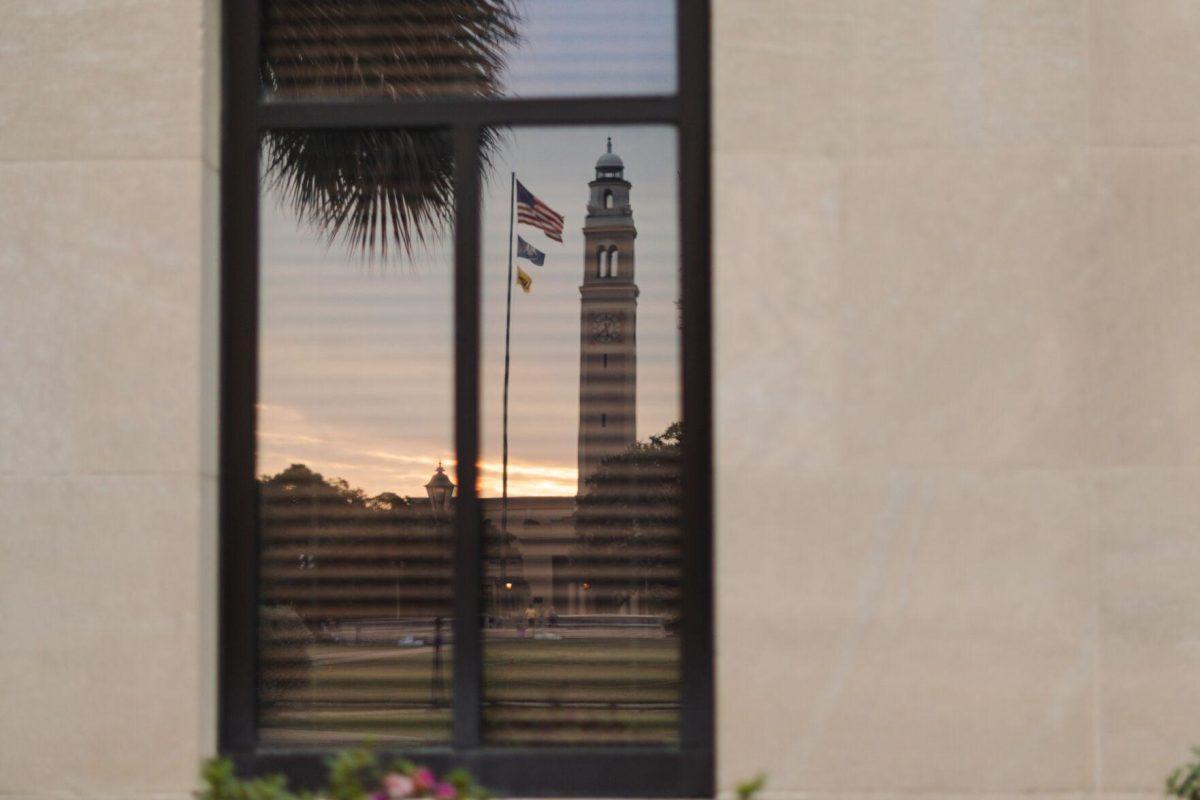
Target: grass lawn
[613, 690]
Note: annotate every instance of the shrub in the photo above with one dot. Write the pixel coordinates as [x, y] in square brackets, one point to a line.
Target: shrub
[284, 640]
[353, 775]
[1184, 782]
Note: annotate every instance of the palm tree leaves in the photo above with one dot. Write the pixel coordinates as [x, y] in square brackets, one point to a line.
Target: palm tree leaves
[386, 48]
[365, 188]
[375, 189]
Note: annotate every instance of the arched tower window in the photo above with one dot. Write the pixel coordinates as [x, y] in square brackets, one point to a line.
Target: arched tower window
[601, 265]
[608, 198]
[614, 257]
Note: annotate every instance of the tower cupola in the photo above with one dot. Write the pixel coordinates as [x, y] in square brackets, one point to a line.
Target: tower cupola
[608, 201]
[610, 166]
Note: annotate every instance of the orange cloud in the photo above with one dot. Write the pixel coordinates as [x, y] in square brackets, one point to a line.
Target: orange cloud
[286, 436]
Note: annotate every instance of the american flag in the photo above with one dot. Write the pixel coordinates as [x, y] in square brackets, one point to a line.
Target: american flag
[532, 211]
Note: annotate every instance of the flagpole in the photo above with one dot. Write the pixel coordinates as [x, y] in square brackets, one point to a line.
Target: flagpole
[512, 207]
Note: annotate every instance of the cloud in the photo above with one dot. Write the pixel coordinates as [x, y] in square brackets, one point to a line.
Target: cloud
[289, 436]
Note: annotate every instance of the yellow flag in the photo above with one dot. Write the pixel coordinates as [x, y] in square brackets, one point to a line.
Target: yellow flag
[524, 279]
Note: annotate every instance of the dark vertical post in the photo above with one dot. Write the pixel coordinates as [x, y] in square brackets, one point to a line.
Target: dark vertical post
[239, 382]
[512, 209]
[696, 722]
[468, 650]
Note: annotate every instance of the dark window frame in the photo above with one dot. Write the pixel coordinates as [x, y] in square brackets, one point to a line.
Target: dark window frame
[683, 771]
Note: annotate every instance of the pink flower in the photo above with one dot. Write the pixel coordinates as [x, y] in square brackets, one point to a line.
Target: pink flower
[445, 791]
[398, 786]
[423, 780]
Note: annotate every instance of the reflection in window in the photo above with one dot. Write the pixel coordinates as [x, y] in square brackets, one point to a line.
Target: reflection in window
[583, 553]
[356, 518]
[355, 510]
[437, 48]
[386, 48]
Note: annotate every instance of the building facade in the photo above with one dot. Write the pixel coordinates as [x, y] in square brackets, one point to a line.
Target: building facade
[956, 379]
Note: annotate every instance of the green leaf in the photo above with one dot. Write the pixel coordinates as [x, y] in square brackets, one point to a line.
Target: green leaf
[747, 789]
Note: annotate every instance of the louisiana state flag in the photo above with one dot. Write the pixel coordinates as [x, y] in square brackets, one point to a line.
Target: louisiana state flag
[524, 279]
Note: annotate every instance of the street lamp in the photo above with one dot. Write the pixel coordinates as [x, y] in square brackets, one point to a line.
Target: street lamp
[440, 489]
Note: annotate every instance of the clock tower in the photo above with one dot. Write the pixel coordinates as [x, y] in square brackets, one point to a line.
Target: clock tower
[608, 321]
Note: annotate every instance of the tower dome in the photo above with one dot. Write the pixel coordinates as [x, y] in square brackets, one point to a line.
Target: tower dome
[610, 165]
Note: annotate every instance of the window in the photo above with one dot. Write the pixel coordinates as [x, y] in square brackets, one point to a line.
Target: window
[607, 259]
[447, 525]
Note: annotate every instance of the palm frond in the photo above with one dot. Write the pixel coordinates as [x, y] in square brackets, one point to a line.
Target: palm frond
[371, 189]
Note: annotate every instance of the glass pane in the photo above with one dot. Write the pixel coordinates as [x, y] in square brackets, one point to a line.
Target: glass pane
[581, 489]
[355, 413]
[439, 48]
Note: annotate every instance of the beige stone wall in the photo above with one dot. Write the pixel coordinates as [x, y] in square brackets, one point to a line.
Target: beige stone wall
[108, 287]
[958, 318]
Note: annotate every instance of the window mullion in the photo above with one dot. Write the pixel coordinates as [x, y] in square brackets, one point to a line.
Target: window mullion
[476, 112]
[239, 381]
[696, 718]
[468, 601]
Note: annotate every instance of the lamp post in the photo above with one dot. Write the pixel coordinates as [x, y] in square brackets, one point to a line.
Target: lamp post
[440, 490]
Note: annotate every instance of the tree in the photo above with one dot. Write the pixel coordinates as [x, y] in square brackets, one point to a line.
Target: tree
[388, 501]
[331, 552]
[299, 484]
[369, 188]
[628, 525]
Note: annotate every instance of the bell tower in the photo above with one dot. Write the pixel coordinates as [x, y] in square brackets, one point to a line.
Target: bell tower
[608, 321]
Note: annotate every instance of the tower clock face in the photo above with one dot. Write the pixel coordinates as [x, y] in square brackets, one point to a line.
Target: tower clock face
[606, 328]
